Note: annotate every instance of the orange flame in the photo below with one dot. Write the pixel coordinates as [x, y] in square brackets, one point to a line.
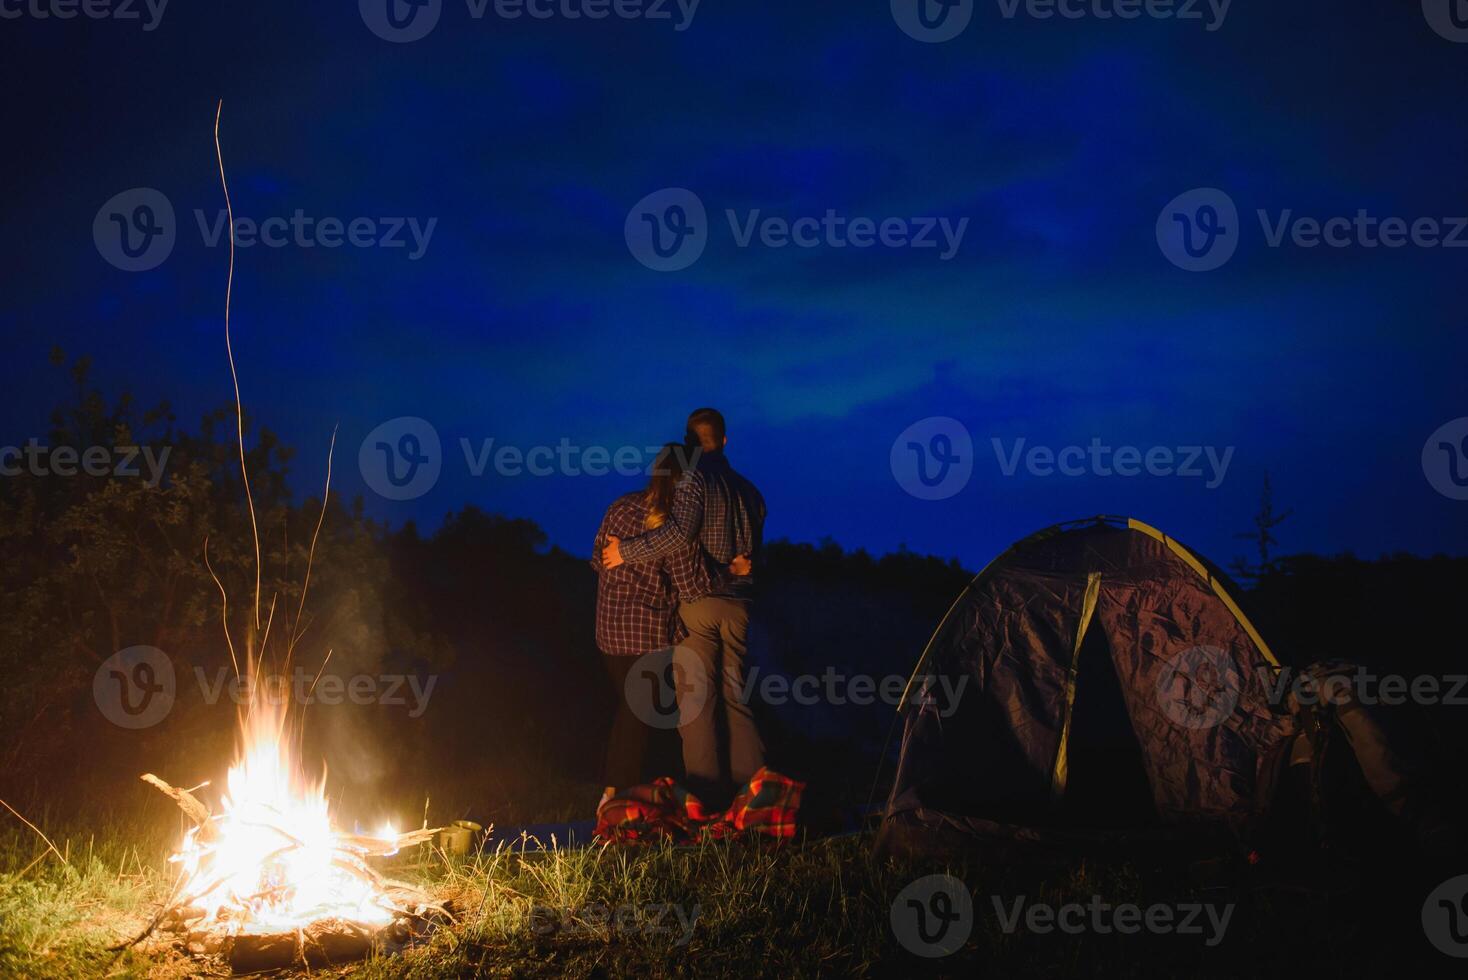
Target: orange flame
[271, 857]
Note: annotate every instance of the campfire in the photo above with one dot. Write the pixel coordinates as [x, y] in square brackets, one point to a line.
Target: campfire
[269, 881]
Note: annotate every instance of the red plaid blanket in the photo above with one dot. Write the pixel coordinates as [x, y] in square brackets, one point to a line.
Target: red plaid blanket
[662, 810]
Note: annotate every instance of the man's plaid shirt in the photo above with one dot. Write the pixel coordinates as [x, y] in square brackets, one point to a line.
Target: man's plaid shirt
[636, 607]
[723, 514]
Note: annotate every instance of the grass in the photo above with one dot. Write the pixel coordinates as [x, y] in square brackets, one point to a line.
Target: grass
[813, 908]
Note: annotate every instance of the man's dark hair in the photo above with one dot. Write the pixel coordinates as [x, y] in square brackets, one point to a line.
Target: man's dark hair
[706, 429]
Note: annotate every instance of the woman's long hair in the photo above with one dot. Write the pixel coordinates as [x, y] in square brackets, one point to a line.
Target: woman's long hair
[673, 462]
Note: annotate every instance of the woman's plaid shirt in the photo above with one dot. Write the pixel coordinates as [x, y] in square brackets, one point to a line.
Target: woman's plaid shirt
[636, 605]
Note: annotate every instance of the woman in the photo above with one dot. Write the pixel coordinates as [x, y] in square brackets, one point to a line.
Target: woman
[636, 604]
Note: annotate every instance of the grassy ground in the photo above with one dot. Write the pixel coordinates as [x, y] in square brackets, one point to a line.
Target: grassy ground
[814, 908]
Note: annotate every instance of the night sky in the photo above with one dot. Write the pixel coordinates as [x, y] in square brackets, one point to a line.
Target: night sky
[527, 318]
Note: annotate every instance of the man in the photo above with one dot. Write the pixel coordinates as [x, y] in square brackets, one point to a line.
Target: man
[724, 513]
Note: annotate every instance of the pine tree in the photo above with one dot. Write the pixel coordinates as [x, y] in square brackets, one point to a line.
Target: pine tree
[1265, 521]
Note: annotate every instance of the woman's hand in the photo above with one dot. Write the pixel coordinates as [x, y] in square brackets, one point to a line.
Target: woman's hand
[741, 565]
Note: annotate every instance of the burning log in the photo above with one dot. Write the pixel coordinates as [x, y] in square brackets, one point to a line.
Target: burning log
[326, 943]
[187, 802]
[267, 882]
[380, 847]
[329, 942]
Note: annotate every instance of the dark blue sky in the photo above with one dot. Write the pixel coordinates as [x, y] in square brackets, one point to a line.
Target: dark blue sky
[1060, 319]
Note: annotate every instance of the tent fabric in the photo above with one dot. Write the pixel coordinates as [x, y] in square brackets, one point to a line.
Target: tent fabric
[1390, 757]
[1030, 635]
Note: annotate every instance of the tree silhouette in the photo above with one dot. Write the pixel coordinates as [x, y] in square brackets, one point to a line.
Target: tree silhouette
[1265, 521]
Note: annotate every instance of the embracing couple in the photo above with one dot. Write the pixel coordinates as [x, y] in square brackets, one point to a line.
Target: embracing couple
[676, 564]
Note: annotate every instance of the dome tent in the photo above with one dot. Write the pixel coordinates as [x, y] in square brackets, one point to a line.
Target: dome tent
[1106, 678]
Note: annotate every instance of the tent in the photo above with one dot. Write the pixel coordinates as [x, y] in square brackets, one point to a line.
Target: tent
[1095, 675]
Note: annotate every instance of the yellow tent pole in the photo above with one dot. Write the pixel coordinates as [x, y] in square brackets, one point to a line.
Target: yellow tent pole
[1213, 582]
[1061, 771]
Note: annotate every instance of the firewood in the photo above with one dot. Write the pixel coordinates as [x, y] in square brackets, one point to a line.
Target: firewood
[348, 861]
[330, 942]
[381, 847]
[187, 802]
[181, 915]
